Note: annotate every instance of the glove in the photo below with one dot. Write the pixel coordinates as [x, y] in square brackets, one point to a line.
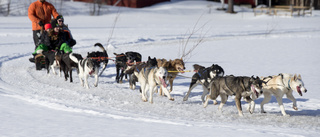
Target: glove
[41, 23]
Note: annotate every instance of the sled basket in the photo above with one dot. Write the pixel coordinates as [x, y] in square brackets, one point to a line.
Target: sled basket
[40, 61]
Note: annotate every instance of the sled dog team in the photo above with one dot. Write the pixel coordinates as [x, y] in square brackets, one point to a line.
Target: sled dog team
[156, 73]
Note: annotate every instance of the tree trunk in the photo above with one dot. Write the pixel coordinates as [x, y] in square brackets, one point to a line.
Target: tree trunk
[230, 7]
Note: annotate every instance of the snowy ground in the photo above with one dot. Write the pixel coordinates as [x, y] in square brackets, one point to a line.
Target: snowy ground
[33, 103]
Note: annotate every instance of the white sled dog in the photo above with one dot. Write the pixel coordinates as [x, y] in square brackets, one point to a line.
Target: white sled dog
[149, 79]
[282, 84]
[87, 67]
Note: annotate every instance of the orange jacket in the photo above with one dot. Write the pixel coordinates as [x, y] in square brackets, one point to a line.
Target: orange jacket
[41, 11]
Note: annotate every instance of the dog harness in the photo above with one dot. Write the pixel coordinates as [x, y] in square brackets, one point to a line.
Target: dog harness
[283, 82]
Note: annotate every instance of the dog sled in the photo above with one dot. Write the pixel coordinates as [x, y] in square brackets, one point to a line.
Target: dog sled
[39, 61]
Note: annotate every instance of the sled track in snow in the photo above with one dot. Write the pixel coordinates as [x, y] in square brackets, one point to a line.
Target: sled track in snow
[117, 100]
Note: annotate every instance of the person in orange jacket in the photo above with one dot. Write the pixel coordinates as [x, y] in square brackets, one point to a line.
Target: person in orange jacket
[40, 13]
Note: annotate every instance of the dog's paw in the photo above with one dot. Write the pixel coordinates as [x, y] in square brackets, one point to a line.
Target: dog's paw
[251, 111]
[185, 99]
[205, 104]
[286, 115]
[295, 108]
[172, 99]
[215, 102]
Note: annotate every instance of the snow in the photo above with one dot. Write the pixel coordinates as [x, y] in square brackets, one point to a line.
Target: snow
[34, 103]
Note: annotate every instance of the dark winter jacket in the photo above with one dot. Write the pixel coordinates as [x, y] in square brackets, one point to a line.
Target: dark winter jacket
[52, 42]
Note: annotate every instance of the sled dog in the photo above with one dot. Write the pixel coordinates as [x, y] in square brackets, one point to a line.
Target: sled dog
[237, 86]
[123, 60]
[87, 67]
[149, 79]
[53, 59]
[278, 86]
[133, 57]
[203, 76]
[99, 57]
[121, 64]
[151, 63]
[174, 67]
[67, 64]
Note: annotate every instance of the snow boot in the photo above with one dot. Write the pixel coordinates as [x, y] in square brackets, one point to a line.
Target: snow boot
[32, 59]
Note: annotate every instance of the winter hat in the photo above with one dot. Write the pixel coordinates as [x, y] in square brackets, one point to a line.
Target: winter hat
[47, 26]
[59, 17]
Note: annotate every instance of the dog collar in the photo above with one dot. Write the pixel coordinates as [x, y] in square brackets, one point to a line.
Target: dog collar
[289, 83]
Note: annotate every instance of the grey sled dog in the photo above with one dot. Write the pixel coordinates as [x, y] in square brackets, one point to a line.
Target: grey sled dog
[86, 67]
[237, 86]
[282, 84]
[204, 77]
[149, 79]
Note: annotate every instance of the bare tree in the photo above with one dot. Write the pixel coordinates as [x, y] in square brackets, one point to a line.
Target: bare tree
[185, 53]
[230, 6]
[5, 7]
[97, 4]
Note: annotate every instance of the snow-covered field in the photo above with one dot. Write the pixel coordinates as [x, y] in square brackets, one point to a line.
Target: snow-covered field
[33, 103]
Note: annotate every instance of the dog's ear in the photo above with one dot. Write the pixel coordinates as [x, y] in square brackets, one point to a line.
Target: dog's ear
[115, 54]
[149, 58]
[295, 77]
[213, 65]
[299, 76]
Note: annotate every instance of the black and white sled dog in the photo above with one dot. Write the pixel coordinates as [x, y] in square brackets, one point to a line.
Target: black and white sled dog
[149, 79]
[52, 59]
[204, 76]
[123, 60]
[151, 63]
[133, 58]
[237, 86]
[99, 57]
[279, 85]
[87, 67]
[67, 64]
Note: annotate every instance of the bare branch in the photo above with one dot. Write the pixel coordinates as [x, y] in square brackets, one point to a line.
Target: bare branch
[270, 28]
[184, 53]
[113, 25]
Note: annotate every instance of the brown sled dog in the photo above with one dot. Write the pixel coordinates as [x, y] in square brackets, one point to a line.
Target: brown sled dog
[174, 67]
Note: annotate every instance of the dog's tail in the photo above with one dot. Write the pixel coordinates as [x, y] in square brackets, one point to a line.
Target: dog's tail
[75, 57]
[197, 67]
[101, 47]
